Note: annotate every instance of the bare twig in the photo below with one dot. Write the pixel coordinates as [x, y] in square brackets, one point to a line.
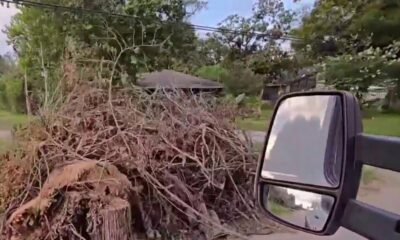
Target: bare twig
[176, 147]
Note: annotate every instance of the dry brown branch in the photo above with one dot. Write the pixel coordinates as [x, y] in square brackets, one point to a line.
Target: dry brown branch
[188, 171]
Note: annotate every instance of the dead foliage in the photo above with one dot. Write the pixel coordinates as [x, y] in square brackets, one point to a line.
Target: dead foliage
[175, 157]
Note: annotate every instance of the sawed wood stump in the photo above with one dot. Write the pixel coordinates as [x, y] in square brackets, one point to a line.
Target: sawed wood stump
[116, 222]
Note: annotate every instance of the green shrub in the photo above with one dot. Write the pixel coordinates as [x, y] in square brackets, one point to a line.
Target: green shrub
[214, 72]
[241, 79]
[12, 93]
[238, 79]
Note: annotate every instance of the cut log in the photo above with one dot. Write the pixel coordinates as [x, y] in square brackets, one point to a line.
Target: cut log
[116, 222]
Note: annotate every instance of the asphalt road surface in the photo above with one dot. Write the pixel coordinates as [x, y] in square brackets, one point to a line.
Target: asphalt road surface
[5, 134]
[256, 136]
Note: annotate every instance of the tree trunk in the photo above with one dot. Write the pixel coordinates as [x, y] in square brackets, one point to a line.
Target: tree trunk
[116, 222]
[27, 102]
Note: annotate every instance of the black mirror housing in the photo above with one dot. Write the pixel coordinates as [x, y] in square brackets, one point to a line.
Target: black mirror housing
[351, 169]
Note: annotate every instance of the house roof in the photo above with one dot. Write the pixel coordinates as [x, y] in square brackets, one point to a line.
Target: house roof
[173, 79]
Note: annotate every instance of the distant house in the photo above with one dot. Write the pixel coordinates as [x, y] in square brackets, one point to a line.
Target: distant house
[272, 91]
[305, 81]
[168, 79]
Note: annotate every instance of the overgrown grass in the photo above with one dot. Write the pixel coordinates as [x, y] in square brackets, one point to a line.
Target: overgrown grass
[8, 120]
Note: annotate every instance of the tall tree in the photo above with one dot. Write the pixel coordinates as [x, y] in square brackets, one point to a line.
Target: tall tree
[355, 42]
[155, 35]
[247, 35]
[335, 27]
[211, 51]
[274, 63]
[7, 64]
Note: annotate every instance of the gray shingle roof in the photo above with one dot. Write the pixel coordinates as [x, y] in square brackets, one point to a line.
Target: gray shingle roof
[173, 79]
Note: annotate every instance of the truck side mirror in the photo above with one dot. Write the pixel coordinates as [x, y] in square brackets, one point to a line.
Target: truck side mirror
[307, 171]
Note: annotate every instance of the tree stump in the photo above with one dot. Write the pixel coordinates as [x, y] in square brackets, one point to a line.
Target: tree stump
[116, 222]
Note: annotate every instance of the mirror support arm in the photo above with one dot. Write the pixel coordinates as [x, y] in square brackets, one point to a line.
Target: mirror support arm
[371, 222]
[378, 151]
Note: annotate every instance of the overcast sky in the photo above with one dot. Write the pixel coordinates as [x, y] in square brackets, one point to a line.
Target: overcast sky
[216, 11]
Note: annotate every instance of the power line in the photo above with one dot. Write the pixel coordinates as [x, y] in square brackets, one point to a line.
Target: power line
[55, 7]
[82, 10]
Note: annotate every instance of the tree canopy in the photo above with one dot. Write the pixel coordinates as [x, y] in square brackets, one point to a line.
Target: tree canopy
[354, 43]
[154, 37]
[339, 26]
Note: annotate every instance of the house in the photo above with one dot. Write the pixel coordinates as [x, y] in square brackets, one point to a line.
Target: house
[273, 91]
[168, 79]
[305, 81]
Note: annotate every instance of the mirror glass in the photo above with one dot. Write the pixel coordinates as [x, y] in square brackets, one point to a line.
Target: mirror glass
[305, 144]
[303, 209]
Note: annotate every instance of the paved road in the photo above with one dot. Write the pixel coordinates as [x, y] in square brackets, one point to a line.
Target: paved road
[5, 134]
[382, 193]
[256, 136]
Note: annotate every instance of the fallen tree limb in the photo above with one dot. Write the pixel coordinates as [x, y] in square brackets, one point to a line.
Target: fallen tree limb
[174, 157]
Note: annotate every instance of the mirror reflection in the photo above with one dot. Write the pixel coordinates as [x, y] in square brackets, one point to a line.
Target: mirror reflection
[306, 141]
[304, 209]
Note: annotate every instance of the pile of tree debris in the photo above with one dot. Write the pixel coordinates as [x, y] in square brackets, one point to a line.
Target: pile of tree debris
[113, 165]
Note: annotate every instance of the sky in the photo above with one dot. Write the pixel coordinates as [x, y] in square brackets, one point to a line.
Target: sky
[216, 11]
[5, 18]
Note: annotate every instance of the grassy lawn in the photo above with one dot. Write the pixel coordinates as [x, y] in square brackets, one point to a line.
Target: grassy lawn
[8, 120]
[256, 123]
[382, 124]
[379, 124]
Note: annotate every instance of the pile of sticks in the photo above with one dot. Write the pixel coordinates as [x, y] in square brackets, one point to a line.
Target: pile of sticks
[173, 161]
